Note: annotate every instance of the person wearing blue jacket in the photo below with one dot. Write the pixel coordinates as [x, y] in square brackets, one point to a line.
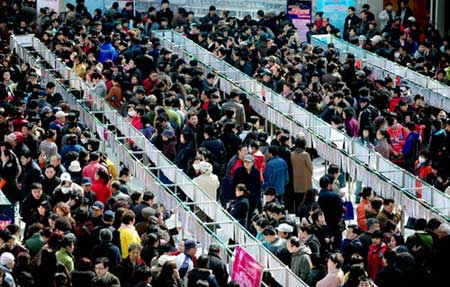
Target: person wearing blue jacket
[107, 51]
[276, 173]
[411, 148]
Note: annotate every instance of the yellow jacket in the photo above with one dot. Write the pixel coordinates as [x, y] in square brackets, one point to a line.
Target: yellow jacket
[128, 235]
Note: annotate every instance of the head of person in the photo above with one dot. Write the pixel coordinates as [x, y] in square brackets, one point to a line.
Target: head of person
[377, 237]
[270, 234]
[367, 193]
[190, 247]
[134, 251]
[101, 266]
[388, 205]
[270, 194]
[335, 261]
[294, 244]
[372, 225]
[36, 190]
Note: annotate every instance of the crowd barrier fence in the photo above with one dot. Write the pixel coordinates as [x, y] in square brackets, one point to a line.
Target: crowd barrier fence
[434, 92]
[360, 162]
[168, 178]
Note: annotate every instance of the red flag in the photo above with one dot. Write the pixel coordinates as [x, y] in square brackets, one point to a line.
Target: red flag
[398, 81]
[358, 64]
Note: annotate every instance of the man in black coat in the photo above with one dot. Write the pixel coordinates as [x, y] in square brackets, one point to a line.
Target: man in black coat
[216, 264]
[31, 172]
[331, 204]
[32, 202]
[214, 145]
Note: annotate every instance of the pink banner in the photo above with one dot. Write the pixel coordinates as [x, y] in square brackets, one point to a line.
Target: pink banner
[246, 270]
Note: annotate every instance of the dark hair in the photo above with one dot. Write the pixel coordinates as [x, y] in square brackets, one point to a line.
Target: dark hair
[102, 260]
[366, 192]
[337, 259]
[127, 217]
[273, 149]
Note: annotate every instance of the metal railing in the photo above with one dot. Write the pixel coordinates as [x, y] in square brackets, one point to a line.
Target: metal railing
[167, 173]
[360, 162]
[434, 92]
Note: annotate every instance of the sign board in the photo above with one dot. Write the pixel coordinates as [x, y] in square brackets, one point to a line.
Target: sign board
[246, 270]
[52, 5]
[300, 13]
[336, 10]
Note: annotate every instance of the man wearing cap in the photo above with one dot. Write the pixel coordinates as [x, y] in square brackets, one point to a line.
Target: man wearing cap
[208, 181]
[284, 230]
[86, 185]
[216, 264]
[184, 260]
[97, 209]
[249, 175]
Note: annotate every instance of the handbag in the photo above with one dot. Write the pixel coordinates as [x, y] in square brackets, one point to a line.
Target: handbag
[349, 213]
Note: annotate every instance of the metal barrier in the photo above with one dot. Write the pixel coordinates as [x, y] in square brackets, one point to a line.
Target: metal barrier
[333, 145]
[236, 8]
[434, 92]
[168, 175]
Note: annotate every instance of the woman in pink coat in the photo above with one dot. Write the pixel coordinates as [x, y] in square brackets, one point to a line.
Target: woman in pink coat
[335, 276]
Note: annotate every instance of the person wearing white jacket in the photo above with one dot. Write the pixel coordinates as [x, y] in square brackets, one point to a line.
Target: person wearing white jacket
[386, 15]
[208, 181]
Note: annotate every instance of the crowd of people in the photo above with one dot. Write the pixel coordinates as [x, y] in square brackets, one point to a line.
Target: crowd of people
[51, 165]
[398, 37]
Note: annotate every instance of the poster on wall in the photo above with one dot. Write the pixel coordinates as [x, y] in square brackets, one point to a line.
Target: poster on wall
[246, 270]
[336, 10]
[300, 13]
[52, 5]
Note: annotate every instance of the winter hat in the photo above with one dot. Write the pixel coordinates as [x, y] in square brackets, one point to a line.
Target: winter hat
[75, 166]
[106, 235]
[6, 258]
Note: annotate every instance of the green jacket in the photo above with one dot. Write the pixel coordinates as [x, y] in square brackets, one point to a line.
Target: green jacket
[34, 243]
[65, 258]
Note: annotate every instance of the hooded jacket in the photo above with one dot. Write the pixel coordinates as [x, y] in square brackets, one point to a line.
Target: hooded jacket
[301, 263]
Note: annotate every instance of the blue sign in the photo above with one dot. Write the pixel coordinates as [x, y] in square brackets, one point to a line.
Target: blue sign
[336, 10]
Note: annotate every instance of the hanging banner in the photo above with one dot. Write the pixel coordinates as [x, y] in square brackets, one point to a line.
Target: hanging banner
[336, 10]
[52, 5]
[246, 270]
[300, 13]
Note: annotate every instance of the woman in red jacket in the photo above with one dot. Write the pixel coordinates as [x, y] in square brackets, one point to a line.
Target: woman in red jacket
[100, 186]
[376, 253]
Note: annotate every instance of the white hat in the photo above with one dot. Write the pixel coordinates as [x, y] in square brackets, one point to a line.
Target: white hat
[412, 19]
[205, 167]
[164, 258]
[65, 176]
[60, 114]
[75, 166]
[376, 39]
[284, 227]
[6, 258]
